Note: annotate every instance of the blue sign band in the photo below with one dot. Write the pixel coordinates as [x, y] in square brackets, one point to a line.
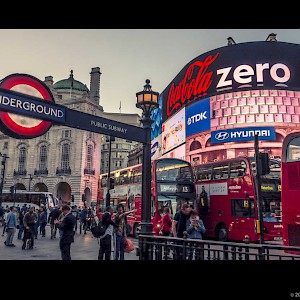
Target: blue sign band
[243, 134]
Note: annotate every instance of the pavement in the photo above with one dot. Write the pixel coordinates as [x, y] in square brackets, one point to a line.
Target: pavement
[85, 247]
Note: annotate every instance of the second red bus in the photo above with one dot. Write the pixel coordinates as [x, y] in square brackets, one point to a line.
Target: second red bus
[227, 200]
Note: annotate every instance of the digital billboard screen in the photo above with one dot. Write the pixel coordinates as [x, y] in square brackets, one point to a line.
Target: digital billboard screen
[173, 132]
[244, 66]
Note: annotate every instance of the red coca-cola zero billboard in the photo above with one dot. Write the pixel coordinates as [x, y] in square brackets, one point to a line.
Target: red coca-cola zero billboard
[246, 66]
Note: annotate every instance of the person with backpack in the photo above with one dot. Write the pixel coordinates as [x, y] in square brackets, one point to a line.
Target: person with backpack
[105, 240]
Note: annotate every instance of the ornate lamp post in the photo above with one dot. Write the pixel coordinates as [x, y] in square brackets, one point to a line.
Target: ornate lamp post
[107, 197]
[147, 100]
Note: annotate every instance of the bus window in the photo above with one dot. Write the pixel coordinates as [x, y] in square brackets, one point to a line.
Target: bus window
[293, 150]
[220, 171]
[242, 208]
[237, 169]
[203, 173]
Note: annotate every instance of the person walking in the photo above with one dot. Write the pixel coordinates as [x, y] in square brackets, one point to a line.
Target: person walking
[66, 226]
[38, 222]
[166, 222]
[53, 215]
[105, 241]
[43, 221]
[29, 221]
[179, 226]
[121, 231]
[11, 225]
[21, 225]
[4, 219]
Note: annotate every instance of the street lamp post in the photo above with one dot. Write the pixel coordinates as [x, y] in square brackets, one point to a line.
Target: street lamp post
[30, 179]
[3, 163]
[147, 100]
[107, 198]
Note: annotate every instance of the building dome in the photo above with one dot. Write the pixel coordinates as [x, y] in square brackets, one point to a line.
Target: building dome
[65, 84]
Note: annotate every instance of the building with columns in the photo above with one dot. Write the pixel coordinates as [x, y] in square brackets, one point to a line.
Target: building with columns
[120, 148]
[65, 161]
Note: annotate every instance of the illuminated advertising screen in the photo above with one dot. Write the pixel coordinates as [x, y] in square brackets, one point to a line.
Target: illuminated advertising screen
[156, 147]
[173, 132]
[198, 117]
[242, 134]
[248, 66]
[178, 152]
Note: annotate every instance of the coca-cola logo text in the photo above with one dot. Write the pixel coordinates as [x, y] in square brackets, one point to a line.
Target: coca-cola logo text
[189, 89]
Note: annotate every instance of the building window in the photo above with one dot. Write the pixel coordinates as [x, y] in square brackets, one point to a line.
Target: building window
[22, 160]
[90, 134]
[65, 156]
[5, 146]
[89, 157]
[43, 158]
[66, 133]
[59, 96]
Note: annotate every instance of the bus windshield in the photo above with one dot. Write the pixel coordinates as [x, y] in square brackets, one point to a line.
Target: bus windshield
[175, 184]
[173, 170]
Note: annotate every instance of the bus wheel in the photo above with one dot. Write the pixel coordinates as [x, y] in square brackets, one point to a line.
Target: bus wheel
[136, 230]
[222, 233]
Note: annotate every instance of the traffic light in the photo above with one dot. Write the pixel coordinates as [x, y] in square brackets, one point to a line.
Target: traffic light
[112, 183]
[264, 163]
[72, 197]
[12, 191]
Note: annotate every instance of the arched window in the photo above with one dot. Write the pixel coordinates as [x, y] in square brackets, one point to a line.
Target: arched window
[43, 158]
[65, 156]
[89, 157]
[195, 145]
[22, 160]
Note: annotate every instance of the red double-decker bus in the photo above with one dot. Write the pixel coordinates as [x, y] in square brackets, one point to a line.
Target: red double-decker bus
[227, 199]
[172, 184]
[290, 193]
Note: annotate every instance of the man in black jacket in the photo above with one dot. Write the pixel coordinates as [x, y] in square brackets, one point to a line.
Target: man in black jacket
[66, 225]
[105, 241]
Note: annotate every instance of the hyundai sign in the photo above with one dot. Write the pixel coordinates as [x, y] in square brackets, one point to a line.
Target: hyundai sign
[243, 134]
[198, 117]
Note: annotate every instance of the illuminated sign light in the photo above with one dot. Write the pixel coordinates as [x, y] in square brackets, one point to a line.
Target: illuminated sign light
[198, 117]
[190, 89]
[267, 188]
[242, 134]
[173, 132]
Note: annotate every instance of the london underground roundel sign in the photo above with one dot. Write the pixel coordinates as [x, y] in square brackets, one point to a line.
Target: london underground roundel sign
[19, 126]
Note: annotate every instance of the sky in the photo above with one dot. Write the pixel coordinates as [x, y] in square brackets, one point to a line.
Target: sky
[126, 57]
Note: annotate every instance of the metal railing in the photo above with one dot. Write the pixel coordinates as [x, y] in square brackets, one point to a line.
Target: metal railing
[170, 248]
[63, 171]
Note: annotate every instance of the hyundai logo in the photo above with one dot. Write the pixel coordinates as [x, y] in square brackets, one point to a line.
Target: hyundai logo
[221, 136]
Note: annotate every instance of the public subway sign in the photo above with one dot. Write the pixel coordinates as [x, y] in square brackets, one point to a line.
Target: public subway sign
[243, 134]
[234, 68]
[28, 110]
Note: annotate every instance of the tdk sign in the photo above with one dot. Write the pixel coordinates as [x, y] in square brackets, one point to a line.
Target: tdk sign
[243, 134]
[198, 117]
